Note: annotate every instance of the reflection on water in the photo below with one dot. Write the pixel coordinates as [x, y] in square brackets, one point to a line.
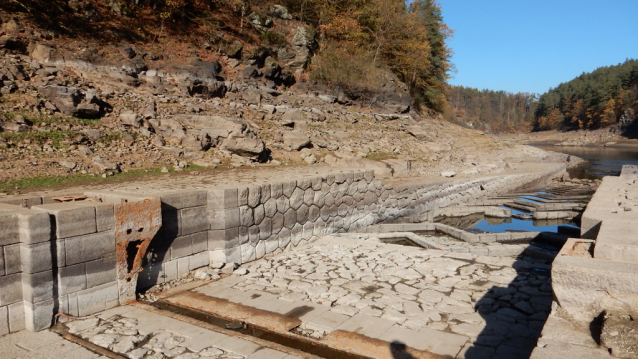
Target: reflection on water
[479, 223]
[603, 161]
[517, 225]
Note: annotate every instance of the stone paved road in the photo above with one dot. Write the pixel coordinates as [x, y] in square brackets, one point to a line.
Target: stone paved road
[44, 344]
[449, 303]
[137, 333]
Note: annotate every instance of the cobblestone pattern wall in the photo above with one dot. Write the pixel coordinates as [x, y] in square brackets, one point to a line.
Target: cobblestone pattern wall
[60, 257]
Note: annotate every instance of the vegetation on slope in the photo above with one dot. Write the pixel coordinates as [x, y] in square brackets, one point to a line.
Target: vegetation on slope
[492, 111]
[359, 41]
[604, 97]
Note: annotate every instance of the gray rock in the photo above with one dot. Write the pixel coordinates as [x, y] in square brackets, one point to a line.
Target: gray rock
[105, 165]
[92, 134]
[295, 140]
[87, 110]
[130, 118]
[68, 164]
[251, 97]
[234, 50]
[17, 124]
[250, 72]
[261, 23]
[244, 146]
[291, 117]
[65, 98]
[280, 12]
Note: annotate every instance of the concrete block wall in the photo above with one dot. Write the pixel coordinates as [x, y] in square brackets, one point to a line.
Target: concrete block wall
[83, 246]
[56, 258]
[61, 257]
[181, 245]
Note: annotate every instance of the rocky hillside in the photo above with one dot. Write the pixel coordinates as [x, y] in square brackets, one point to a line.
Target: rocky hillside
[75, 109]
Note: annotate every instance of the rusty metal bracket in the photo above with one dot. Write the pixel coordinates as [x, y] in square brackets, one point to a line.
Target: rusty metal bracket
[136, 223]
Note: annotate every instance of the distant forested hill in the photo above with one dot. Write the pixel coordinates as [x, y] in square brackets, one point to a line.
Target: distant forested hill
[604, 97]
[493, 111]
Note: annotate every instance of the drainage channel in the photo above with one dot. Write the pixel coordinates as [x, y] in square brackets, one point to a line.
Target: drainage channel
[291, 340]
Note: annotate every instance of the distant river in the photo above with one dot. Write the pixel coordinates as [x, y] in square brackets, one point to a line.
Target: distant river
[603, 161]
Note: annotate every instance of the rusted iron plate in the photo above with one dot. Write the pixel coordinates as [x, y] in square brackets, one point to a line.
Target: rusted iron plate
[136, 223]
[373, 348]
[236, 312]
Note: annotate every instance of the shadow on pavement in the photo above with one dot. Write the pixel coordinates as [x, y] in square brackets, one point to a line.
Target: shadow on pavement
[514, 314]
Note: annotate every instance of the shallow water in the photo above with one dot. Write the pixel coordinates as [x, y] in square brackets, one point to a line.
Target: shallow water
[517, 225]
[603, 161]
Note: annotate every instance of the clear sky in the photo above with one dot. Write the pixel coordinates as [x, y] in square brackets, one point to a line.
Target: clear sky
[532, 46]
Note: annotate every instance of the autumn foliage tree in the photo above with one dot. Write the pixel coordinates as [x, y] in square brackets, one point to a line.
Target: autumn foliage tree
[592, 100]
[409, 40]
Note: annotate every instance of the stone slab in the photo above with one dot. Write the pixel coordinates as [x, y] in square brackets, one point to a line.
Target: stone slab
[367, 325]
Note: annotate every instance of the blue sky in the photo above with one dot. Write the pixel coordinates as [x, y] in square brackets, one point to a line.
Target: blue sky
[531, 46]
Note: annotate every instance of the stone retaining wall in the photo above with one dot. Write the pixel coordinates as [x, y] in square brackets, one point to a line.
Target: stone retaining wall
[63, 257]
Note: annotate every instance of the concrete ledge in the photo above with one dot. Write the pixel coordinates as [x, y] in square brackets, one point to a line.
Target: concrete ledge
[586, 286]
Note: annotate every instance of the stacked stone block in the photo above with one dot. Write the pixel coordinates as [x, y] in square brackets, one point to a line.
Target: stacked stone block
[181, 244]
[81, 259]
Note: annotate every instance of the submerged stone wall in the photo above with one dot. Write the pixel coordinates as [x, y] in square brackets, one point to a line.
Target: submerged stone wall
[75, 258]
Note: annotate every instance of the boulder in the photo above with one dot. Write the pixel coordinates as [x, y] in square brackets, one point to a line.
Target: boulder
[92, 134]
[448, 173]
[17, 124]
[196, 143]
[261, 23]
[234, 50]
[317, 115]
[244, 146]
[42, 53]
[68, 164]
[64, 98]
[272, 70]
[295, 140]
[251, 97]
[208, 88]
[250, 72]
[105, 165]
[296, 57]
[130, 118]
[290, 117]
[87, 110]
[215, 127]
[280, 12]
